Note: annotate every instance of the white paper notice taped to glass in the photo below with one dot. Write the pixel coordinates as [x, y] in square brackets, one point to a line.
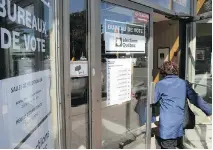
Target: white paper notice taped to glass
[123, 37]
[118, 81]
[79, 68]
[26, 101]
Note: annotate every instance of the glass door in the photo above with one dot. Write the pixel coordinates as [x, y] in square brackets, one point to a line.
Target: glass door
[200, 75]
[126, 66]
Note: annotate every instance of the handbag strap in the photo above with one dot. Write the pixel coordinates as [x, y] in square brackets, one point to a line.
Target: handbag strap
[186, 101]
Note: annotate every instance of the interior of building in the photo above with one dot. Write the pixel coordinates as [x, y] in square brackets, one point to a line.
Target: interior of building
[165, 39]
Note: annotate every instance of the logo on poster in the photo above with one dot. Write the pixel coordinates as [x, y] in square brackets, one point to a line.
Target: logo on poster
[141, 17]
[122, 36]
[118, 42]
[78, 68]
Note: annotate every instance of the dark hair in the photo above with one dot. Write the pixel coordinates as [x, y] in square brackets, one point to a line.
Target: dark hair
[169, 68]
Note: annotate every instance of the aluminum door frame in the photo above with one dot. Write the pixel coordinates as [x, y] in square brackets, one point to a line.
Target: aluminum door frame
[94, 55]
[63, 35]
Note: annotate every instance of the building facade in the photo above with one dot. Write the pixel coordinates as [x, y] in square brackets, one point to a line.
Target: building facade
[81, 73]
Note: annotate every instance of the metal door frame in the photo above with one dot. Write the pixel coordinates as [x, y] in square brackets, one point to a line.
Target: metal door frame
[94, 58]
[62, 22]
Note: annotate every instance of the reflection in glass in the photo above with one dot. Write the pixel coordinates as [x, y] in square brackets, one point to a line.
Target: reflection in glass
[79, 80]
[126, 27]
[27, 86]
[20, 62]
[203, 73]
[202, 83]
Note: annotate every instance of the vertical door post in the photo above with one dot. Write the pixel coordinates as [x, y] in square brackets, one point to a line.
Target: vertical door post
[150, 79]
[94, 55]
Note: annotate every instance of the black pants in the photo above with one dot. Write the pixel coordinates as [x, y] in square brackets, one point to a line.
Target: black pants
[170, 143]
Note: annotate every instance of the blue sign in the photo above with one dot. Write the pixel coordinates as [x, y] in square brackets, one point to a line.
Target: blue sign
[162, 3]
[124, 28]
[179, 6]
[182, 6]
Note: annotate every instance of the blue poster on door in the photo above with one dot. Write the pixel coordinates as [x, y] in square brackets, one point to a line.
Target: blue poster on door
[181, 6]
[161, 3]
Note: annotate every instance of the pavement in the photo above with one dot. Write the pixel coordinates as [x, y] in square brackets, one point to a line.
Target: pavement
[198, 138]
[193, 139]
[140, 144]
[201, 136]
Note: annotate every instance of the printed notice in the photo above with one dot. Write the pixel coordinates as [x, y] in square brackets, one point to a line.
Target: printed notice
[118, 81]
[124, 37]
[43, 136]
[79, 68]
[26, 101]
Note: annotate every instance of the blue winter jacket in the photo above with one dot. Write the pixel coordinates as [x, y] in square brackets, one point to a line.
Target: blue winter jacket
[171, 93]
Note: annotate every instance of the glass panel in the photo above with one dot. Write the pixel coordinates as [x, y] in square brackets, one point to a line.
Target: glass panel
[161, 3]
[203, 73]
[79, 73]
[181, 6]
[124, 34]
[27, 76]
[202, 83]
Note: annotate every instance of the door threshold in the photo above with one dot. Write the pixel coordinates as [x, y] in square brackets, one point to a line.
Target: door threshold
[135, 134]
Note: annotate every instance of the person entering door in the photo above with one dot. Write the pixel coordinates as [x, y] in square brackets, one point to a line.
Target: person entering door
[171, 94]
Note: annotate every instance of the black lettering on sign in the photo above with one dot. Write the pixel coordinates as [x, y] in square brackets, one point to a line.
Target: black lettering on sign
[25, 85]
[42, 141]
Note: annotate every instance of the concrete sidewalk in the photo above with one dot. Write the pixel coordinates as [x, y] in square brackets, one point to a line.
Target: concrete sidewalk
[190, 142]
[198, 138]
[139, 143]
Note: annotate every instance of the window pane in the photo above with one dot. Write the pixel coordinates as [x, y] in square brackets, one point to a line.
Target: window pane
[203, 72]
[26, 83]
[124, 51]
[161, 3]
[79, 73]
[181, 6]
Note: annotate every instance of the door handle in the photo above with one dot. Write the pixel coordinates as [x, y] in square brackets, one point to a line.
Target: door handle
[152, 93]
